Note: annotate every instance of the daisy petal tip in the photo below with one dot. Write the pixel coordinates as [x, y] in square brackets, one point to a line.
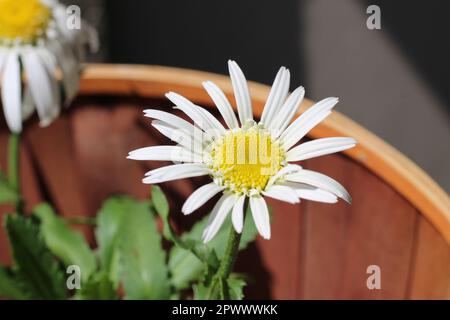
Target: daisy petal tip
[186, 211]
[348, 199]
[170, 95]
[266, 236]
[150, 180]
[206, 237]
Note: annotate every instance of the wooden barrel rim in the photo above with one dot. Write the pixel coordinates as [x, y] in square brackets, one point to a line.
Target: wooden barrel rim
[371, 151]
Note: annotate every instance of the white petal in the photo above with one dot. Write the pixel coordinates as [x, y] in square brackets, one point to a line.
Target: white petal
[179, 136]
[214, 124]
[237, 216]
[319, 147]
[43, 86]
[241, 92]
[200, 196]
[12, 92]
[178, 123]
[320, 181]
[222, 103]
[290, 168]
[308, 192]
[164, 153]
[283, 193]
[277, 95]
[260, 215]
[49, 62]
[288, 111]
[218, 215]
[316, 194]
[170, 119]
[3, 56]
[308, 120]
[91, 36]
[69, 67]
[201, 117]
[190, 109]
[27, 104]
[176, 172]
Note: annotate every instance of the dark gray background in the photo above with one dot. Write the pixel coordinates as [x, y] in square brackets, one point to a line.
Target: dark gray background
[393, 81]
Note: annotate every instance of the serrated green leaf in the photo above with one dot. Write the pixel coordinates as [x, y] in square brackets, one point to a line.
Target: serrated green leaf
[10, 287]
[109, 223]
[66, 244]
[200, 251]
[7, 193]
[98, 287]
[236, 288]
[34, 263]
[142, 260]
[185, 267]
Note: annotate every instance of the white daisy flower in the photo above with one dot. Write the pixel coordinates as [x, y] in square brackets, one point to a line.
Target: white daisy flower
[246, 159]
[35, 42]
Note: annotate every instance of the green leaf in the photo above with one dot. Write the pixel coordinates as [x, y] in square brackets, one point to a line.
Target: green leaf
[70, 246]
[220, 289]
[99, 287]
[185, 267]
[200, 291]
[134, 233]
[236, 288]
[7, 193]
[35, 266]
[159, 200]
[108, 233]
[201, 252]
[10, 287]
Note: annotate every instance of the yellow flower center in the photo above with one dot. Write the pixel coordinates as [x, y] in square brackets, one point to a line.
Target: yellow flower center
[245, 159]
[23, 20]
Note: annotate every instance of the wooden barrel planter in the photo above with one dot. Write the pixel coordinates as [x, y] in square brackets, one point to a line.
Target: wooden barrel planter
[399, 219]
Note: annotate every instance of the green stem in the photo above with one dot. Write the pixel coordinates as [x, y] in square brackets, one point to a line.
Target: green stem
[83, 220]
[231, 252]
[218, 289]
[13, 167]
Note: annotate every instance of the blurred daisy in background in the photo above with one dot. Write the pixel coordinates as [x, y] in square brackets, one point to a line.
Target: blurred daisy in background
[35, 44]
[247, 160]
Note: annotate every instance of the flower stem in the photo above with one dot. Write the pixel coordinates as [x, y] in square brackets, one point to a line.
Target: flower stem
[13, 167]
[83, 220]
[219, 286]
[231, 252]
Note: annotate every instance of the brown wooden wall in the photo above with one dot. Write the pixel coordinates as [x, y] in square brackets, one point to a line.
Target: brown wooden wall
[317, 251]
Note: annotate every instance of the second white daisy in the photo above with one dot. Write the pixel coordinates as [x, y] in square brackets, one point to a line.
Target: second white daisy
[36, 42]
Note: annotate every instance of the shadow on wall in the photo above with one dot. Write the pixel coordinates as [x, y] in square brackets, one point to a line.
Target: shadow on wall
[420, 30]
[392, 80]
